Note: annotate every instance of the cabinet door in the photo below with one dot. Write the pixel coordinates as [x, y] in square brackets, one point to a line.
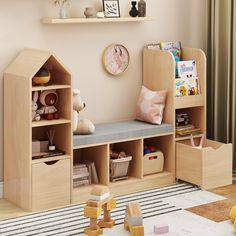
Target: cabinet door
[50, 184]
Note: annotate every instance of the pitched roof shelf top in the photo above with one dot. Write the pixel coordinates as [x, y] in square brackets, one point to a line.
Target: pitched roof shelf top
[94, 20]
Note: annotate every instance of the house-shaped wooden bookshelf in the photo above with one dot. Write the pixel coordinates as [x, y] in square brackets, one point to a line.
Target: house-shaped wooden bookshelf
[42, 183]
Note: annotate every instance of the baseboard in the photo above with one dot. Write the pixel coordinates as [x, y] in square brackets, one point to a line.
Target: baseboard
[1, 189]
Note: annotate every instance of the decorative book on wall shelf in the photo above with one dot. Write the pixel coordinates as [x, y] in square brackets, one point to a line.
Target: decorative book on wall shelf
[94, 20]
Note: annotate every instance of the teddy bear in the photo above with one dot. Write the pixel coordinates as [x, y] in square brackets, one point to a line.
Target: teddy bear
[48, 99]
[81, 126]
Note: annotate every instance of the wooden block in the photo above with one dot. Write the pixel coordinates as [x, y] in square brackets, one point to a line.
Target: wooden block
[137, 231]
[92, 212]
[111, 204]
[126, 226]
[134, 221]
[91, 232]
[161, 229]
[106, 224]
[93, 203]
[99, 190]
[133, 209]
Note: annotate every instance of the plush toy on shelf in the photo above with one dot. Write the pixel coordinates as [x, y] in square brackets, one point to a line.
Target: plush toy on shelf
[48, 99]
[35, 115]
[81, 126]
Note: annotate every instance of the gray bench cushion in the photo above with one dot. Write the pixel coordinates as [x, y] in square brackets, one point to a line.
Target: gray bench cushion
[109, 132]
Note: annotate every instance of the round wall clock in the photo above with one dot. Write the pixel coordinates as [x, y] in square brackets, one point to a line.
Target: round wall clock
[115, 59]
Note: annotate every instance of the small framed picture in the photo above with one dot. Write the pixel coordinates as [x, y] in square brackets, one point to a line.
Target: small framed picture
[111, 8]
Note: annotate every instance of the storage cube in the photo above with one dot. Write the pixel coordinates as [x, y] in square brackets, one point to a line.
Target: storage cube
[208, 167]
[153, 163]
[50, 184]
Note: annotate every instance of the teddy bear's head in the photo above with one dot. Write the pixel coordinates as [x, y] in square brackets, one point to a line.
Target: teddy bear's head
[48, 98]
[78, 104]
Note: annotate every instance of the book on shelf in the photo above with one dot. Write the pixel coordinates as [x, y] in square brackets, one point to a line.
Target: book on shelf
[93, 172]
[78, 183]
[187, 87]
[173, 47]
[39, 155]
[186, 69]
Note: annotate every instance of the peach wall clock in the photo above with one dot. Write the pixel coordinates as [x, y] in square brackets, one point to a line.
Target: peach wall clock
[116, 59]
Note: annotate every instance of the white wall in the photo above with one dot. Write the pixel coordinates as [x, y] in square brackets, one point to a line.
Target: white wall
[80, 47]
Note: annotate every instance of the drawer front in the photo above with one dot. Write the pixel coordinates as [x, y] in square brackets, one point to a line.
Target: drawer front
[188, 164]
[50, 184]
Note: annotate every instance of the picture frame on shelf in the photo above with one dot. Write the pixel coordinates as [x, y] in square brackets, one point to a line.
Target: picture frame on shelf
[111, 8]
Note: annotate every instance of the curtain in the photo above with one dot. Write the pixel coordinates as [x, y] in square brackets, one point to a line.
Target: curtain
[221, 79]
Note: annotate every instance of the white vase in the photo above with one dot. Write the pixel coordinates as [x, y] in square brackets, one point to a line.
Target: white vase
[62, 12]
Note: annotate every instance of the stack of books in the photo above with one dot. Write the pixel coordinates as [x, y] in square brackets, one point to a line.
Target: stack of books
[185, 130]
[81, 175]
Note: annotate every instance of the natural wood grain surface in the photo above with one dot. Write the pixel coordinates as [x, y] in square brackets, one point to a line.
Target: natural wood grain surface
[94, 20]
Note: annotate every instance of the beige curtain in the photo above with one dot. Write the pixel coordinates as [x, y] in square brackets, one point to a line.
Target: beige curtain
[221, 80]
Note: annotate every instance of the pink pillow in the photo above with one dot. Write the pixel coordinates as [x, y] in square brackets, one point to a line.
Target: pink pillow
[150, 105]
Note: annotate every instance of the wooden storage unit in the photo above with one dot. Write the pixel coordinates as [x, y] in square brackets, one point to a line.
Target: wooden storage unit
[32, 184]
[159, 67]
[127, 136]
[209, 167]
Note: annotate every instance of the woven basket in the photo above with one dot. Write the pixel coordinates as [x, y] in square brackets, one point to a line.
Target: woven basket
[119, 168]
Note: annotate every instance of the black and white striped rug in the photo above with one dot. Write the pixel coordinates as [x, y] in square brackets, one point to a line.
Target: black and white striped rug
[70, 220]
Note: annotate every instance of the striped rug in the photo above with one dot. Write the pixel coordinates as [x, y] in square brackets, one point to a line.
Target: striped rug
[70, 220]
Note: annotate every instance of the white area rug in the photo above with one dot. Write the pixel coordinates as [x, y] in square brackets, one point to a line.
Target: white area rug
[163, 204]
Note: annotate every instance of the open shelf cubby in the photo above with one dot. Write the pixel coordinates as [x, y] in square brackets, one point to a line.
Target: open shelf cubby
[98, 155]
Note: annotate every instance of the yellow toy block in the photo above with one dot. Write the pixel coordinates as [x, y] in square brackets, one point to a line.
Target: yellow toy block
[137, 230]
[92, 212]
[93, 232]
[111, 204]
[106, 224]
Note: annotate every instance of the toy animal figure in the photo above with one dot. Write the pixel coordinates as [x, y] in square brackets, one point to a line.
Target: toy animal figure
[81, 126]
[48, 99]
[35, 115]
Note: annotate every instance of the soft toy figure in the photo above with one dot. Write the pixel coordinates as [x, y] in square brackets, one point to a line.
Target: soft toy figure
[48, 99]
[35, 115]
[81, 126]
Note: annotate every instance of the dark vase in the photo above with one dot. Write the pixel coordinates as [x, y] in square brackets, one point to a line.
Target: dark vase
[141, 8]
[133, 12]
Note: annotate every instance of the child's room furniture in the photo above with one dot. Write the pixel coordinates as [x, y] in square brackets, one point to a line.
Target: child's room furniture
[46, 182]
[210, 166]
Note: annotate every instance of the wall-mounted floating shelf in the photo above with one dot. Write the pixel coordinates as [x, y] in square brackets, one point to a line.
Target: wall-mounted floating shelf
[94, 20]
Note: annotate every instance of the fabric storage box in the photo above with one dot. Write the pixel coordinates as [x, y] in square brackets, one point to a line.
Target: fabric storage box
[208, 167]
[119, 168]
[153, 163]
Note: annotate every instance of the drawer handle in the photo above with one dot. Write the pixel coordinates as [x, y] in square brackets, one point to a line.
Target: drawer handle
[49, 163]
[152, 158]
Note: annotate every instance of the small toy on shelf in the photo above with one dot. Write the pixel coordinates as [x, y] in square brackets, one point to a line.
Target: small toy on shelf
[81, 126]
[48, 99]
[100, 198]
[200, 143]
[161, 229]
[153, 160]
[35, 115]
[182, 119]
[133, 219]
[42, 76]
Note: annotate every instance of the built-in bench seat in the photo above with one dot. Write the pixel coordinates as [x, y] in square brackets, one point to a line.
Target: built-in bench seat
[111, 132]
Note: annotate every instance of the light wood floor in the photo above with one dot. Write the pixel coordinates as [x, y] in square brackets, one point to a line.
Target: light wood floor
[8, 210]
